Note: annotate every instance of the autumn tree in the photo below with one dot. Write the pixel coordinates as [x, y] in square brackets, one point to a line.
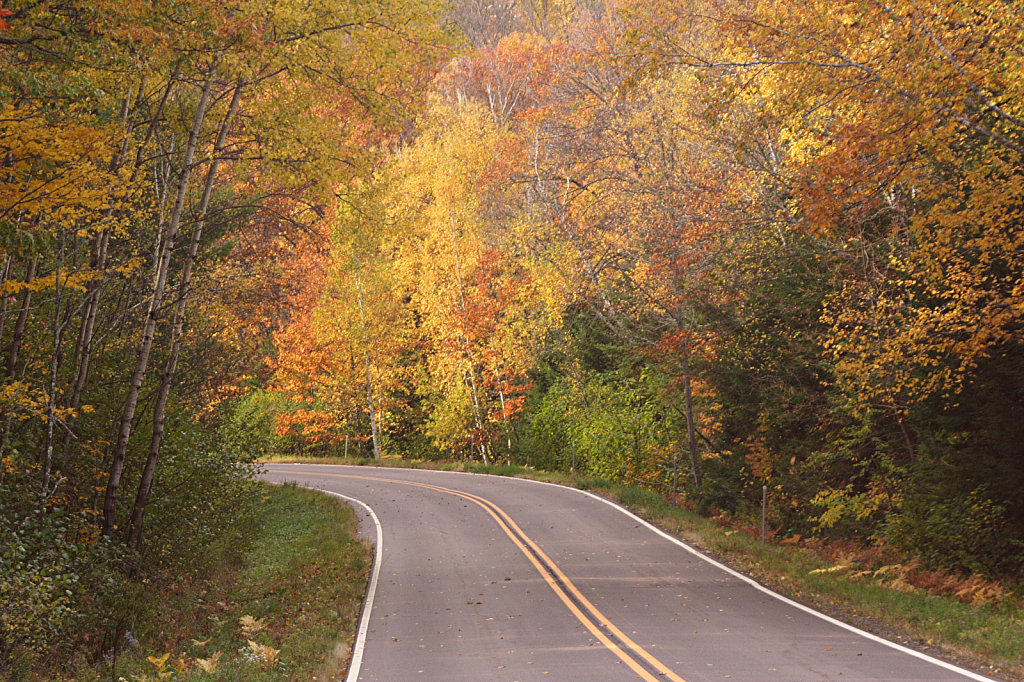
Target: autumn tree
[159, 164]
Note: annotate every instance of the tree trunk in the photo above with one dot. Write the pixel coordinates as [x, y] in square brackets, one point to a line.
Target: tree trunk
[691, 431]
[12, 358]
[55, 361]
[149, 331]
[85, 334]
[366, 359]
[476, 403]
[19, 326]
[369, 400]
[102, 242]
[167, 379]
[358, 411]
[469, 350]
[8, 266]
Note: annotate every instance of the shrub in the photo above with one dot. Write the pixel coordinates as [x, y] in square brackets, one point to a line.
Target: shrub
[968, 533]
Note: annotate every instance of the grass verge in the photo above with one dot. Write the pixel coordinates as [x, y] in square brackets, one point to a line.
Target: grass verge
[283, 606]
[985, 637]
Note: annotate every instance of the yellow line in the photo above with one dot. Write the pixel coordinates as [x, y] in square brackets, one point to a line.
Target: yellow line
[504, 521]
[662, 668]
[547, 577]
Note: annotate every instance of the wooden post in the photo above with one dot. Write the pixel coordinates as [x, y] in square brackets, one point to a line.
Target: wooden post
[764, 507]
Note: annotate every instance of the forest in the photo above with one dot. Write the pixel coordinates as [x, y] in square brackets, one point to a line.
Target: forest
[703, 246]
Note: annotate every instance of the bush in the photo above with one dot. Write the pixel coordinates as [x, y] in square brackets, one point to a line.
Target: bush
[249, 429]
[53, 589]
[37, 583]
[206, 483]
[968, 533]
[612, 424]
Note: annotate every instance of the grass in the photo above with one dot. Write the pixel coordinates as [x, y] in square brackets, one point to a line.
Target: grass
[294, 590]
[986, 636]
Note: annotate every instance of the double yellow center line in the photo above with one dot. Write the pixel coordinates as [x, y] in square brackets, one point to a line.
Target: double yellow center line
[632, 654]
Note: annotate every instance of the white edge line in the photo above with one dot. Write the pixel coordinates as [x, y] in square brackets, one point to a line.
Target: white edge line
[371, 588]
[750, 581]
[881, 640]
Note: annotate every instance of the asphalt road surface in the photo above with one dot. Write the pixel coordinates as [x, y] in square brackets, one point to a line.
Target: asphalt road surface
[485, 578]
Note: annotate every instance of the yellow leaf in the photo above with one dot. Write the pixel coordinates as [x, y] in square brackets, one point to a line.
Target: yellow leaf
[266, 653]
[159, 663]
[250, 626]
[209, 665]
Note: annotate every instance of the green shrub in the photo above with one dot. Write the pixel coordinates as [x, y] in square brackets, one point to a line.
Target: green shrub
[54, 589]
[611, 423]
[37, 584]
[968, 533]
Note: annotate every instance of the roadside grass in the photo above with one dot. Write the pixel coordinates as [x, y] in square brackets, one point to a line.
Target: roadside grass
[985, 636]
[282, 606]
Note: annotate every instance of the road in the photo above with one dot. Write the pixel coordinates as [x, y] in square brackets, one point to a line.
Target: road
[485, 578]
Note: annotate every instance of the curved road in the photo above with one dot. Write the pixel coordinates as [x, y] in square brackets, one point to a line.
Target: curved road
[485, 578]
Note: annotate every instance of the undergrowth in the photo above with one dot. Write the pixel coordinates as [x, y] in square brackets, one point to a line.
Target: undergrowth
[281, 605]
